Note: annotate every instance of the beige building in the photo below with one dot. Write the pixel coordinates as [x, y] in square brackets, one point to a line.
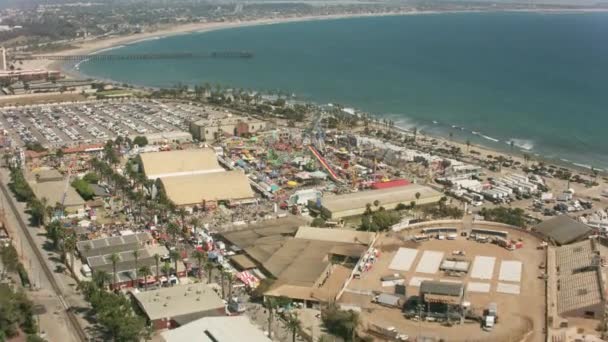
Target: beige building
[179, 163]
[354, 204]
[53, 191]
[213, 128]
[193, 189]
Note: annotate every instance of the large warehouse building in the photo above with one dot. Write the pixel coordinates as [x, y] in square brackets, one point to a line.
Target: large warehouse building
[354, 204]
[232, 186]
[179, 163]
[193, 177]
[212, 128]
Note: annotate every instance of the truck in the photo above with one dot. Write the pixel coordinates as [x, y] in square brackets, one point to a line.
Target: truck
[490, 317]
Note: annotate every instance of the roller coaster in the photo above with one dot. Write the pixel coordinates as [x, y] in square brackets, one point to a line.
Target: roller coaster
[143, 56]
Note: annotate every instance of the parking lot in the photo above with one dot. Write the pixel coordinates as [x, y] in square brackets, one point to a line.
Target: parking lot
[493, 275]
[87, 122]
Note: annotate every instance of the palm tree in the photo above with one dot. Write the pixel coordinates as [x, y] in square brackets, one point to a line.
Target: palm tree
[195, 221]
[136, 257]
[182, 216]
[145, 272]
[199, 256]
[271, 305]
[209, 268]
[417, 195]
[293, 324]
[114, 258]
[415, 132]
[351, 323]
[175, 256]
[157, 262]
[468, 145]
[100, 278]
[230, 278]
[69, 246]
[166, 269]
[173, 230]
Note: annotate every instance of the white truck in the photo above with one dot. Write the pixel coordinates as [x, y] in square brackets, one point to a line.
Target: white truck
[490, 317]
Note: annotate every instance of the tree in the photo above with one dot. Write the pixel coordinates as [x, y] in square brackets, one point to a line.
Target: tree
[157, 262]
[340, 322]
[140, 141]
[136, 257]
[318, 222]
[173, 231]
[175, 256]
[417, 195]
[114, 258]
[293, 325]
[468, 145]
[199, 256]
[145, 272]
[69, 247]
[271, 305]
[209, 268]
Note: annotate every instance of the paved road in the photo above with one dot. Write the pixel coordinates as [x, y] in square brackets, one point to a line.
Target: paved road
[57, 294]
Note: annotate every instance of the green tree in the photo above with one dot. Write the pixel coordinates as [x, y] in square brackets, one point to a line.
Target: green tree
[114, 258]
[145, 273]
[176, 257]
[293, 325]
[200, 257]
[140, 141]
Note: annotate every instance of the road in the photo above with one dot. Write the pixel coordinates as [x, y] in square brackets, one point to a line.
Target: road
[54, 290]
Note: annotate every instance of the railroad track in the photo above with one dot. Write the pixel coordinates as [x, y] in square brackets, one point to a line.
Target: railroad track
[76, 327]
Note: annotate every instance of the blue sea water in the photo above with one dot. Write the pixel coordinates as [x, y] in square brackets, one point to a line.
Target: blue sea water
[540, 80]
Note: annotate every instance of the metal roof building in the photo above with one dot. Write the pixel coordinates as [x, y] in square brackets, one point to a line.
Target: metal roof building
[179, 305]
[112, 244]
[53, 192]
[212, 329]
[563, 230]
[578, 281]
[355, 203]
[217, 186]
[179, 163]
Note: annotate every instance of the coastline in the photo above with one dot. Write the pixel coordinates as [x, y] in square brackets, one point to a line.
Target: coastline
[99, 45]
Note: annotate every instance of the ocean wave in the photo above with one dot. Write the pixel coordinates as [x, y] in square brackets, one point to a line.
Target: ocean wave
[489, 138]
[522, 143]
[145, 40]
[77, 65]
[107, 49]
[583, 166]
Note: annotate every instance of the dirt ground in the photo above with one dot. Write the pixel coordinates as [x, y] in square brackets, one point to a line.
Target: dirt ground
[518, 314]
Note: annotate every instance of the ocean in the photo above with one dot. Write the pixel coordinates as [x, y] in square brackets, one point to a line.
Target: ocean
[539, 80]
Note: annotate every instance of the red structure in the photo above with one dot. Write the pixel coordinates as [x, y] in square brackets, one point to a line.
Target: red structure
[390, 184]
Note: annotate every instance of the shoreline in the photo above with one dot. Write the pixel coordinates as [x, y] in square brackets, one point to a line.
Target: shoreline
[100, 45]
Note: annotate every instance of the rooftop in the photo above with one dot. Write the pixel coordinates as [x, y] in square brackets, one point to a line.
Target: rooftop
[179, 162]
[112, 244]
[358, 200]
[212, 329]
[579, 276]
[563, 229]
[193, 189]
[53, 192]
[178, 300]
[335, 235]
[441, 288]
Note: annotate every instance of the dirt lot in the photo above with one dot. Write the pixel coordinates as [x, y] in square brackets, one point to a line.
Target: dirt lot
[517, 313]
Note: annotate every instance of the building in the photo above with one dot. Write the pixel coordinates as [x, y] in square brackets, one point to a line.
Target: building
[212, 128]
[306, 262]
[126, 265]
[166, 137]
[113, 244]
[562, 230]
[179, 163]
[209, 188]
[213, 329]
[174, 306]
[576, 286]
[47, 175]
[440, 299]
[354, 204]
[53, 191]
[28, 75]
